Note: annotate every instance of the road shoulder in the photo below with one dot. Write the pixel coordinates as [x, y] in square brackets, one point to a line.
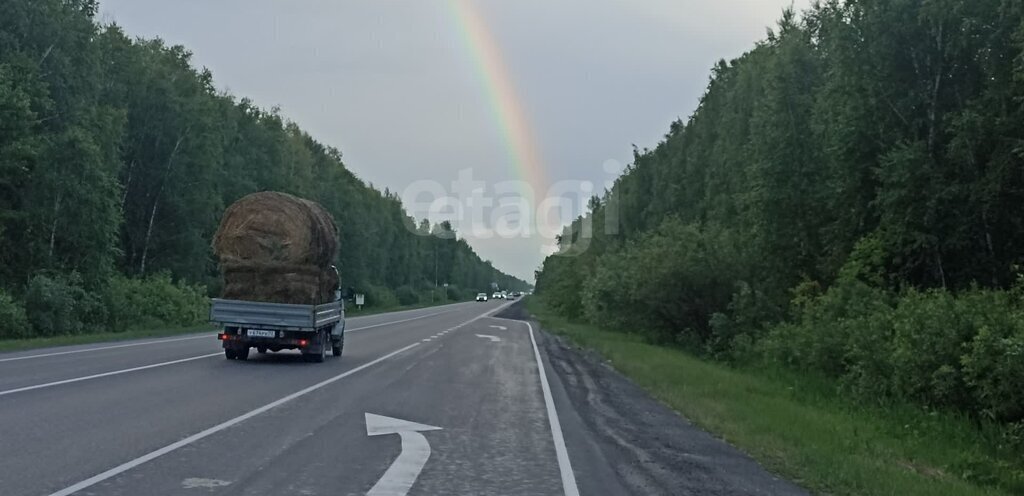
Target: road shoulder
[623, 441]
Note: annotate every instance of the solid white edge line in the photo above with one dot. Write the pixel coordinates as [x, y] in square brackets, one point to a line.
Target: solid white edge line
[104, 374]
[124, 467]
[564, 465]
[204, 336]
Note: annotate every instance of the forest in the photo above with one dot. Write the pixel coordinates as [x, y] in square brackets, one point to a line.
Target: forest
[117, 158]
[845, 201]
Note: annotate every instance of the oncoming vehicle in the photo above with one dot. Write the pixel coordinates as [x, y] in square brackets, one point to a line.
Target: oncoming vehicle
[481, 297]
[496, 296]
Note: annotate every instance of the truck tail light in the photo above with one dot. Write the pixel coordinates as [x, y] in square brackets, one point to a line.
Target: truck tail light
[303, 342]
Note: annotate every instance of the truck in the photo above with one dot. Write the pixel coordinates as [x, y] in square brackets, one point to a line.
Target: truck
[311, 329]
[281, 289]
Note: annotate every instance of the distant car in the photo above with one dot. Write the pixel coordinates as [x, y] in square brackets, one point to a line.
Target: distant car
[496, 296]
[481, 297]
[513, 296]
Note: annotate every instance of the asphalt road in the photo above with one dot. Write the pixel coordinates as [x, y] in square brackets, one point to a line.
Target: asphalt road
[445, 400]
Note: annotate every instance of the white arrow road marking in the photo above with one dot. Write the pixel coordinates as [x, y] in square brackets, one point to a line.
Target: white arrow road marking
[494, 339]
[124, 467]
[402, 473]
[502, 328]
[200, 483]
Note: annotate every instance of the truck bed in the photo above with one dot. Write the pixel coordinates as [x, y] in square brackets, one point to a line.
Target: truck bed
[258, 315]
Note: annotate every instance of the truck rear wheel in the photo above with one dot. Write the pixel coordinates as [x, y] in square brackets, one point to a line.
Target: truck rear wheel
[230, 354]
[316, 357]
[321, 355]
[242, 354]
[337, 345]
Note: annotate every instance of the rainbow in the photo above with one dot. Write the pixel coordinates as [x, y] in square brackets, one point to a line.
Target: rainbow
[522, 149]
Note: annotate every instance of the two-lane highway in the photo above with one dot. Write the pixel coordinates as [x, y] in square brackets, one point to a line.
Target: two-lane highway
[171, 416]
[450, 400]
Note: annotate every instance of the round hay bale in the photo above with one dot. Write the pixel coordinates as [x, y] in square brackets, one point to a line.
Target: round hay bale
[271, 227]
[278, 283]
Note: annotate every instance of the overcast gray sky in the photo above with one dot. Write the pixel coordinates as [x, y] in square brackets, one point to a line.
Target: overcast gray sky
[419, 90]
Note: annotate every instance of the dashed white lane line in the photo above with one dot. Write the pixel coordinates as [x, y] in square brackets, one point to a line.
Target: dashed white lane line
[96, 479]
[189, 338]
[105, 374]
[398, 321]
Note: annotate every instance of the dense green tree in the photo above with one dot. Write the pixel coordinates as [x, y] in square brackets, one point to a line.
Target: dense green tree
[118, 155]
[886, 132]
[845, 199]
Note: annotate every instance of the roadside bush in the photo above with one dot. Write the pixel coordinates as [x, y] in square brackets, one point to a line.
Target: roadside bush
[962, 352]
[994, 369]
[867, 368]
[407, 296]
[821, 336]
[669, 282]
[606, 294]
[735, 332]
[13, 320]
[57, 304]
[153, 301]
[455, 294]
[932, 333]
[381, 297]
[561, 282]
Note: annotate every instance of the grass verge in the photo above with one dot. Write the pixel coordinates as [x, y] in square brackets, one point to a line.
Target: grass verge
[9, 345]
[802, 428]
[102, 337]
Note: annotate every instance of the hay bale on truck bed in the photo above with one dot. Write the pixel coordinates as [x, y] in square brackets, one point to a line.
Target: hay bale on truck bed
[278, 283]
[277, 248]
[276, 228]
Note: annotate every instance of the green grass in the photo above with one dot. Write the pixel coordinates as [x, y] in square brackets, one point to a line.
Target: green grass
[801, 428]
[30, 343]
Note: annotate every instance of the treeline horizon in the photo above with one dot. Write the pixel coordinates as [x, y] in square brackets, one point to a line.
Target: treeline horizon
[117, 158]
[844, 202]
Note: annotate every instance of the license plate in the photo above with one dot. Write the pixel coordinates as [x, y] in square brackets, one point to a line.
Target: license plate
[256, 333]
